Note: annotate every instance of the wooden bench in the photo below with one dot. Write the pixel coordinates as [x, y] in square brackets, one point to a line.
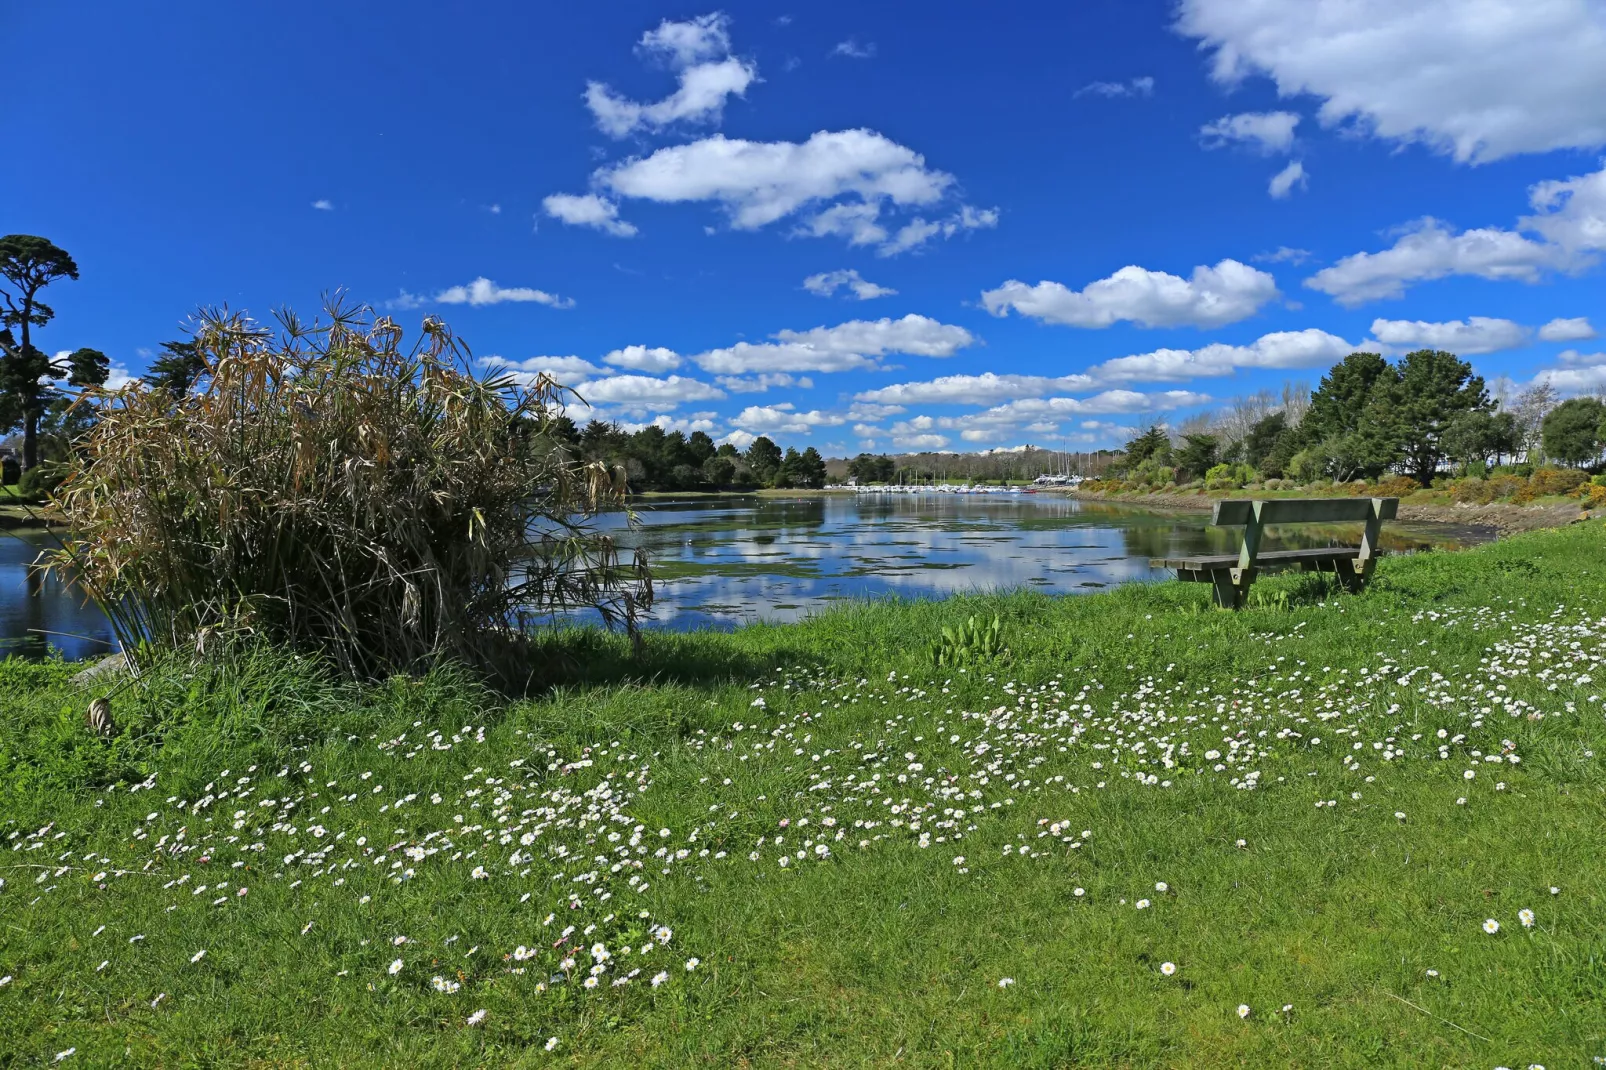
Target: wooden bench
[1232, 574]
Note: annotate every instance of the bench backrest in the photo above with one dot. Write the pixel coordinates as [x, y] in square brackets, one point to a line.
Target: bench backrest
[1240, 513]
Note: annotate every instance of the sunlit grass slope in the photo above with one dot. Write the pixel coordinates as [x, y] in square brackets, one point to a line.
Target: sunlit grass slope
[1155, 835]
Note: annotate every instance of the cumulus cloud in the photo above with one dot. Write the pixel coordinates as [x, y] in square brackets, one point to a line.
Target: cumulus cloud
[739, 438]
[1213, 296]
[480, 292]
[1569, 217]
[587, 210]
[920, 230]
[643, 359]
[836, 183]
[1430, 250]
[1309, 348]
[1284, 181]
[1042, 417]
[1478, 334]
[1268, 132]
[1477, 81]
[323, 204]
[698, 51]
[1576, 359]
[855, 344]
[638, 393]
[984, 389]
[1136, 87]
[563, 369]
[1577, 329]
[759, 182]
[1582, 379]
[759, 384]
[783, 418]
[829, 282]
[706, 422]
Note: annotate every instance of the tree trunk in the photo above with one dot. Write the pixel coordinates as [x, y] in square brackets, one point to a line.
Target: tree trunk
[30, 439]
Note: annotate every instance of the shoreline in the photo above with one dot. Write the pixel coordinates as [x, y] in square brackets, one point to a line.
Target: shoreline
[1504, 518]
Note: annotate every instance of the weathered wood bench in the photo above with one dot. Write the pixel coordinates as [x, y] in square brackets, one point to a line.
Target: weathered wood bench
[1232, 574]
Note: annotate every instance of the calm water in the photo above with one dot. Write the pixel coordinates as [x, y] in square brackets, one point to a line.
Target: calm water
[722, 562]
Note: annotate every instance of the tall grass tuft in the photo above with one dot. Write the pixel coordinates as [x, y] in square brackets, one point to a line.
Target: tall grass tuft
[332, 490]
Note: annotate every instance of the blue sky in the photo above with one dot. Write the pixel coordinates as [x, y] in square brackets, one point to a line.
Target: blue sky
[842, 225]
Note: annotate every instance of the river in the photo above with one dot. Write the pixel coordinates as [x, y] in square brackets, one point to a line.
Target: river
[724, 561]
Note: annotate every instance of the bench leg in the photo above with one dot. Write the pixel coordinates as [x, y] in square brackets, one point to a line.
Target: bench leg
[1350, 578]
[1228, 595]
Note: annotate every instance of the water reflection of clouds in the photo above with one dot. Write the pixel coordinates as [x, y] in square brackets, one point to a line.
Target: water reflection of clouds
[826, 549]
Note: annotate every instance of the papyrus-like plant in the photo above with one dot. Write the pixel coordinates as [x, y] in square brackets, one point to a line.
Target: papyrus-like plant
[332, 489]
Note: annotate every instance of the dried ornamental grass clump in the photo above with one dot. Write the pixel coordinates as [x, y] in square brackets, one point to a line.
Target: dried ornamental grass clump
[331, 489]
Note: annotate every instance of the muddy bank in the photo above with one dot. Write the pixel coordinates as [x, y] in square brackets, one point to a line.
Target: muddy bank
[1500, 517]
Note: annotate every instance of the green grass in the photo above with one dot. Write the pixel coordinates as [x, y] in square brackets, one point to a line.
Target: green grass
[890, 952]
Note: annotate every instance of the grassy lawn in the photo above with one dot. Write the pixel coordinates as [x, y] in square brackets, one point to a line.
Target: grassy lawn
[1155, 835]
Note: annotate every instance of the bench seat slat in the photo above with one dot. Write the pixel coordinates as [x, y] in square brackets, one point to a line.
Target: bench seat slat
[1270, 560]
[1237, 512]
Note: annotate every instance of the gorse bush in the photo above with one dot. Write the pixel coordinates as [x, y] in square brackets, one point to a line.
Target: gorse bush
[329, 490]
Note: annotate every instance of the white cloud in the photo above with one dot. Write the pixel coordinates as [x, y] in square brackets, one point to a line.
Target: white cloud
[1577, 329]
[705, 422]
[759, 384]
[1585, 379]
[700, 99]
[919, 442]
[852, 49]
[563, 369]
[1577, 359]
[1309, 348]
[739, 438]
[1267, 132]
[855, 344]
[918, 231]
[480, 292]
[323, 204]
[784, 419]
[637, 393]
[1569, 218]
[864, 411]
[118, 377]
[682, 44]
[1477, 334]
[827, 283]
[1571, 213]
[1430, 250]
[588, 210]
[1137, 87]
[1214, 296]
[1284, 254]
[1476, 80]
[642, 359]
[698, 50]
[984, 389]
[1284, 181]
[483, 291]
[760, 182]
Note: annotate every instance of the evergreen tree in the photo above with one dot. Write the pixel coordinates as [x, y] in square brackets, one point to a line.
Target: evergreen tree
[180, 365]
[1433, 388]
[1572, 431]
[764, 458]
[27, 265]
[1474, 436]
[1153, 443]
[1199, 454]
[1262, 439]
[811, 469]
[699, 446]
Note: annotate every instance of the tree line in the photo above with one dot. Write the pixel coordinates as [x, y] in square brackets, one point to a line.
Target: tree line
[659, 460]
[1421, 415]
